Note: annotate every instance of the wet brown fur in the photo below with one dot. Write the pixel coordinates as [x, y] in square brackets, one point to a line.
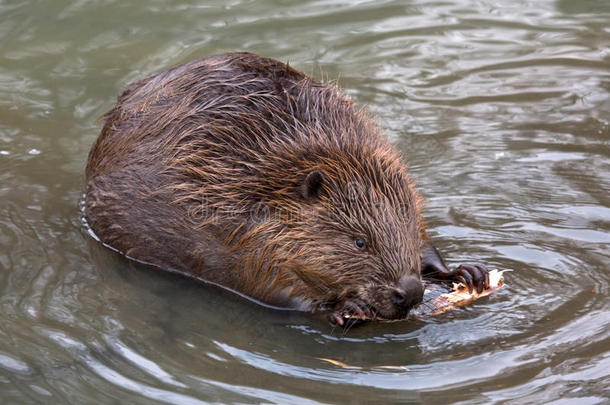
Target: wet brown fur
[203, 169]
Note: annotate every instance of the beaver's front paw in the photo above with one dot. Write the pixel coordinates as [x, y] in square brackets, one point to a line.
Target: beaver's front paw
[352, 312]
[473, 276]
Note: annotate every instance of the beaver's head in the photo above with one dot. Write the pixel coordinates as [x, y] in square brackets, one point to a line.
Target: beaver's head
[351, 243]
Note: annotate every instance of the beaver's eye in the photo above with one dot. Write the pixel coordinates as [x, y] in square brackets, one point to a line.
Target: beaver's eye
[360, 243]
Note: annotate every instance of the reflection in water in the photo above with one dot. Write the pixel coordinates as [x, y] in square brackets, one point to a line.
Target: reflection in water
[502, 112]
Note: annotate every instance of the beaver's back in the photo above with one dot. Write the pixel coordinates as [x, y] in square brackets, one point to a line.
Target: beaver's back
[235, 104]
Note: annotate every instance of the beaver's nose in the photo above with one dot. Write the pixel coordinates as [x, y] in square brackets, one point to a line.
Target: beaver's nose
[409, 293]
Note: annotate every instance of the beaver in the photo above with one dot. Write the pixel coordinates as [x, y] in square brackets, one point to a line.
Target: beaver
[241, 171]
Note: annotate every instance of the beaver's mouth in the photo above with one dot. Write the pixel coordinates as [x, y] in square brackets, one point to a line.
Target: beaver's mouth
[355, 311]
[352, 312]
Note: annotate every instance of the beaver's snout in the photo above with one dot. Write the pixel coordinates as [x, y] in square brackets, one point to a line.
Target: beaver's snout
[407, 295]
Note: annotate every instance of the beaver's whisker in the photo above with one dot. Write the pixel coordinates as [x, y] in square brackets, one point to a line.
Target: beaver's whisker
[351, 322]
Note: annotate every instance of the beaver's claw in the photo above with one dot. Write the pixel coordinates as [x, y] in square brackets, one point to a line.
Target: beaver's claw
[473, 276]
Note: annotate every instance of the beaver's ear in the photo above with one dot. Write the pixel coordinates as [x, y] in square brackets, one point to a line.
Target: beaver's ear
[312, 185]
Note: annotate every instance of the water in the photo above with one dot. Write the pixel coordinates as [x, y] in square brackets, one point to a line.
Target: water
[502, 110]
